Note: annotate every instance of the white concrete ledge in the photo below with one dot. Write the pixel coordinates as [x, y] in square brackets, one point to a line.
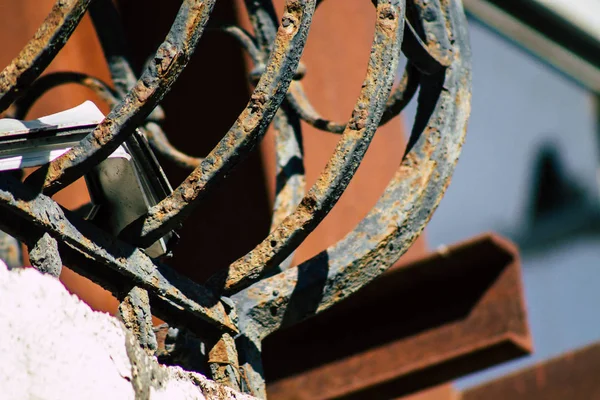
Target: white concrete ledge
[53, 346]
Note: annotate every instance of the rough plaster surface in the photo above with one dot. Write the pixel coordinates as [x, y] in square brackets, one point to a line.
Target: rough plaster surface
[53, 346]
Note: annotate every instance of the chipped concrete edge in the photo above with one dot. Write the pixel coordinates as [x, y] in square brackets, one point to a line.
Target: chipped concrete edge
[54, 346]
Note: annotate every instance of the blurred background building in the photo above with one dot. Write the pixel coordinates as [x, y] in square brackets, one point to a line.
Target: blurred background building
[529, 167]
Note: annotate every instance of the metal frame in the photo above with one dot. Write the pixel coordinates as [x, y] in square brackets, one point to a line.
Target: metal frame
[257, 294]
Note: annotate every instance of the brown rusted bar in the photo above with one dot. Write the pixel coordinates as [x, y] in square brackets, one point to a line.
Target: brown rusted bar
[453, 312]
[573, 375]
[442, 392]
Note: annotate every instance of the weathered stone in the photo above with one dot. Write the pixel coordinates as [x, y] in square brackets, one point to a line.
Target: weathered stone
[54, 346]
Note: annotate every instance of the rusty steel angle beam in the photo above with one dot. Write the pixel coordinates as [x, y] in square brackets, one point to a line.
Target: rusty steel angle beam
[572, 375]
[433, 320]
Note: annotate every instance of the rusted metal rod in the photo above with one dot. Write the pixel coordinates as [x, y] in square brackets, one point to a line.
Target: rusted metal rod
[169, 61]
[41, 86]
[396, 220]
[323, 195]
[28, 212]
[265, 293]
[41, 49]
[243, 136]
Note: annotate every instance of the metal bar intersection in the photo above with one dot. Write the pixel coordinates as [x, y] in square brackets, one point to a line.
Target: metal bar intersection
[259, 293]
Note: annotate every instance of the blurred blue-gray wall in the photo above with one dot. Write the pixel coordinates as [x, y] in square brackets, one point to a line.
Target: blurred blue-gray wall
[518, 104]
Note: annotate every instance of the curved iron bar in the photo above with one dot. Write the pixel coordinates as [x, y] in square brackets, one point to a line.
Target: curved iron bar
[341, 167]
[169, 61]
[45, 83]
[290, 175]
[289, 171]
[400, 97]
[245, 39]
[400, 214]
[392, 225]
[39, 52]
[243, 136]
[134, 308]
[161, 144]
[154, 132]
[290, 181]
[156, 135]
[421, 59]
[107, 22]
[90, 250]
[439, 60]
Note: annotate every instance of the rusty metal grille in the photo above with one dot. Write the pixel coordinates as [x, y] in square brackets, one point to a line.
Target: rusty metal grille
[259, 293]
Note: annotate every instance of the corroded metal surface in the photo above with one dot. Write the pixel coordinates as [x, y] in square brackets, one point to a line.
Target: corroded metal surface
[264, 294]
[336, 176]
[454, 311]
[41, 49]
[223, 362]
[572, 375]
[135, 313]
[83, 247]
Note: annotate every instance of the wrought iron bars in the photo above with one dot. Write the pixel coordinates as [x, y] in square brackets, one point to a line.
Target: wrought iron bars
[265, 293]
